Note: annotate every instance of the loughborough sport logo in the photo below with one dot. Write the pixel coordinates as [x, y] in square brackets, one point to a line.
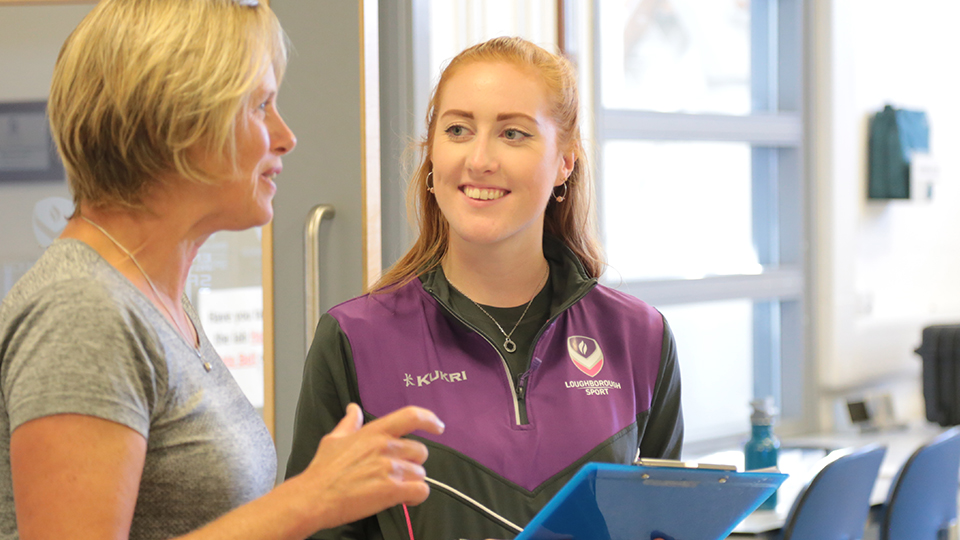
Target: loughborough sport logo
[586, 354]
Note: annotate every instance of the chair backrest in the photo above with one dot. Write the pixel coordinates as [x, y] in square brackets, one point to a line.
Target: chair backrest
[923, 497]
[834, 505]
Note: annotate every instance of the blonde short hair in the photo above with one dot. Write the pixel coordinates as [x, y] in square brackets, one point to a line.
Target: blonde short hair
[144, 88]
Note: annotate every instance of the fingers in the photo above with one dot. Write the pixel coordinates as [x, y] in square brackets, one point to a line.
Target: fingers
[415, 493]
[406, 449]
[351, 422]
[411, 485]
[362, 470]
[407, 420]
[405, 471]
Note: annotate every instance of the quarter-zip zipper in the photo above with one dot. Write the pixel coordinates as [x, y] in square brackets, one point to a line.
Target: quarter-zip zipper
[518, 388]
[520, 419]
[522, 382]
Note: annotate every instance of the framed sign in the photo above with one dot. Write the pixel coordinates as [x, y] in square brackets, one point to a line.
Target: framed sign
[27, 151]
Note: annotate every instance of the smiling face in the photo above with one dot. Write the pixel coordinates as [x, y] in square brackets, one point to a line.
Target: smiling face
[495, 155]
[244, 194]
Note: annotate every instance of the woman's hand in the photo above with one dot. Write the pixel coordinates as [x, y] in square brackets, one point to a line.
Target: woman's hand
[360, 470]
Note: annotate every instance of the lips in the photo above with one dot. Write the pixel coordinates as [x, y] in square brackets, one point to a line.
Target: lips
[483, 194]
[271, 174]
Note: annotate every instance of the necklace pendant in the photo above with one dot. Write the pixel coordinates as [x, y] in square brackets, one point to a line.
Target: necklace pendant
[207, 366]
[509, 345]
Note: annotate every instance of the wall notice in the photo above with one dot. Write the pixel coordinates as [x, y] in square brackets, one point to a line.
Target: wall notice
[233, 321]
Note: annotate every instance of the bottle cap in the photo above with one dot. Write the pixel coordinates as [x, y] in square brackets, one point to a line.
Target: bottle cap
[763, 411]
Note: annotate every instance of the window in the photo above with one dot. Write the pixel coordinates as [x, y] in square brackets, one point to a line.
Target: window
[458, 24]
[699, 138]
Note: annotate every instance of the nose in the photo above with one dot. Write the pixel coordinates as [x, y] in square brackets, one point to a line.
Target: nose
[281, 137]
[482, 157]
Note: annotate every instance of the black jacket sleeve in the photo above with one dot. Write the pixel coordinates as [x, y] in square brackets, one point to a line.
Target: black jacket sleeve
[663, 434]
[329, 385]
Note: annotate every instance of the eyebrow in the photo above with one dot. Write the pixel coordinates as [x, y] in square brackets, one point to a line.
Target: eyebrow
[510, 116]
[500, 117]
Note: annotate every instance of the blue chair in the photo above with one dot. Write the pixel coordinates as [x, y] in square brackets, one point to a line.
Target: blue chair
[834, 505]
[922, 501]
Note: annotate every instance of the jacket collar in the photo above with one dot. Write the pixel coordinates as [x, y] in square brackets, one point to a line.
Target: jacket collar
[568, 278]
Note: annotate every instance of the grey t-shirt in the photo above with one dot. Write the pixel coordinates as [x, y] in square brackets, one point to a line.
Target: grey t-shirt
[77, 337]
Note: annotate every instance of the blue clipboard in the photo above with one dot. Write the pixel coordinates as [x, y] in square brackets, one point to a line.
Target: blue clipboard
[606, 501]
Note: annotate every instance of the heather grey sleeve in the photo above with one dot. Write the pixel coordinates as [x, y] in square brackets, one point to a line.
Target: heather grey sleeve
[75, 347]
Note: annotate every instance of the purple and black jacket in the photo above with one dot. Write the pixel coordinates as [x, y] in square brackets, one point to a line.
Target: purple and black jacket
[603, 383]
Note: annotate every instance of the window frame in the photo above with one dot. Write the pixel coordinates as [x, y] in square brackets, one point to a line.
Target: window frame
[775, 129]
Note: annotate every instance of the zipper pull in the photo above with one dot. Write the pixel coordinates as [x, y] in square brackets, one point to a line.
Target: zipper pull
[525, 376]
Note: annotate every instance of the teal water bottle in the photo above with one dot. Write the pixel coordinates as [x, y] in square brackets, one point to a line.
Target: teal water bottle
[761, 450]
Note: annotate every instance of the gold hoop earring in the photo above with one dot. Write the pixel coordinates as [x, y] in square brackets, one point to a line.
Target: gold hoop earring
[429, 186]
[561, 198]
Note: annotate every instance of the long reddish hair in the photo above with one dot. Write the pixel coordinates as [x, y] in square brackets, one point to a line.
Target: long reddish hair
[573, 221]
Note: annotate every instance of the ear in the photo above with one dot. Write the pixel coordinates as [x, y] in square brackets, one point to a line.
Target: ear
[567, 160]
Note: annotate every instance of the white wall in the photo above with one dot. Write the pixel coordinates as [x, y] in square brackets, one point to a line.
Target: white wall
[883, 269]
[30, 39]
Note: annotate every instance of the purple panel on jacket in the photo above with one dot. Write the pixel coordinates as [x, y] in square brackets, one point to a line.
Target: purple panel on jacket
[599, 365]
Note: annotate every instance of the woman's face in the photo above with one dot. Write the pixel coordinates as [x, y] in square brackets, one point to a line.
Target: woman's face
[495, 155]
[245, 194]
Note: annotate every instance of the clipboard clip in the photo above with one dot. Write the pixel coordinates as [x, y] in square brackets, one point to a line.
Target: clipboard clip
[677, 464]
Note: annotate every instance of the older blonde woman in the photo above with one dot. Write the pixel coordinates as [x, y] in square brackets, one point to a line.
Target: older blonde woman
[118, 419]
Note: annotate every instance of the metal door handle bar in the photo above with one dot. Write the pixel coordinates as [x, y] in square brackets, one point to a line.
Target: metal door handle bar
[311, 251]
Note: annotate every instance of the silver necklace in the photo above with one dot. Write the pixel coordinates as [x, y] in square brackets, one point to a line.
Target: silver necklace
[508, 344]
[183, 334]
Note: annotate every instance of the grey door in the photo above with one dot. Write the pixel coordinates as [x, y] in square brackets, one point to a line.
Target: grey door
[322, 99]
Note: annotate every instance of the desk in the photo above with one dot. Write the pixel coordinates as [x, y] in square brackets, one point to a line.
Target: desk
[799, 457]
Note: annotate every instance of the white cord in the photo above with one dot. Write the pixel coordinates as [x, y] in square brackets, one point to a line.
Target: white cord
[475, 504]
